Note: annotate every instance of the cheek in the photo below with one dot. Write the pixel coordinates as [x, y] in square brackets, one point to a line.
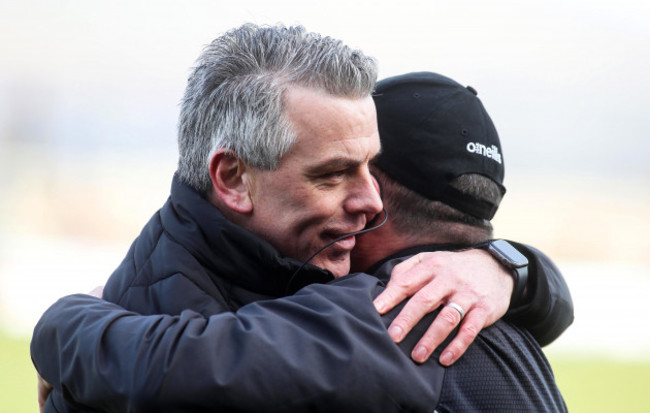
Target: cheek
[311, 215]
[296, 207]
[325, 205]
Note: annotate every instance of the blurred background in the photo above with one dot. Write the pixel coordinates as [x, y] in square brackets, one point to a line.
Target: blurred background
[89, 94]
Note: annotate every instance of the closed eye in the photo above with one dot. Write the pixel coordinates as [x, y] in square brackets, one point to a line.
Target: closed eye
[334, 174]
[330, 180]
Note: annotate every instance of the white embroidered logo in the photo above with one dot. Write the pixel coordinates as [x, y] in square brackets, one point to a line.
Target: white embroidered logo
[491, 152]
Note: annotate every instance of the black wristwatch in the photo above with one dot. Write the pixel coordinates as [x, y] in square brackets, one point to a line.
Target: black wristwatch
[512, 259]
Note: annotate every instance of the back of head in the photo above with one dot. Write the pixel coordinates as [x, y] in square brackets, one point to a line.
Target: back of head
[441, 165]
[234, 96]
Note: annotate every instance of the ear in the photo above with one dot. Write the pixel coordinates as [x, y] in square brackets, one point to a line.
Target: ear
[229, 176]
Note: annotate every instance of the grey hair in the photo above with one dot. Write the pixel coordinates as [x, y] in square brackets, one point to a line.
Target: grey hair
[234, 95]
[413, 214]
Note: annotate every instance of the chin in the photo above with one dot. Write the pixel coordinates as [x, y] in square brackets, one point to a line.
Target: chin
[337, 268]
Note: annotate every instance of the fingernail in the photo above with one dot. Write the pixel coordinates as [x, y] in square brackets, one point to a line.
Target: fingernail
[446, 358]
[379, 306]
[420, 354]
[395, 332]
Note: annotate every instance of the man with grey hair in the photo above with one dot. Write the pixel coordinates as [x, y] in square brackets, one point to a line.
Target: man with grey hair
[241, 226]
[277, 128]
[235, 97]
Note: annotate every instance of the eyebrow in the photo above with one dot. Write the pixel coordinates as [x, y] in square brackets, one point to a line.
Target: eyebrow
[334, 163]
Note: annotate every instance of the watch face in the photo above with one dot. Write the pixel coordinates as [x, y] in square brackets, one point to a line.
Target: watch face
[509, 253]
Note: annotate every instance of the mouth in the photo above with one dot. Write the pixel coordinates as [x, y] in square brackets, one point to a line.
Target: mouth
[342, 242]
[346, 243]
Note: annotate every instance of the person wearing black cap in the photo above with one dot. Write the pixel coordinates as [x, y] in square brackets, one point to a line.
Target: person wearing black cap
[323, 349]
[442, 173]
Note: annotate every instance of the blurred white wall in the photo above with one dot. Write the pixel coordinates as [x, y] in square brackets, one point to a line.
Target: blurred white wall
[89, 96]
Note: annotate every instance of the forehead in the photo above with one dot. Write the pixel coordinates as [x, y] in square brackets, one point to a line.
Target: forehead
[331, 126]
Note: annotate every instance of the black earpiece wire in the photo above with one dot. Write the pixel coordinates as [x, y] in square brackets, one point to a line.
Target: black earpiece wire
[368, 228]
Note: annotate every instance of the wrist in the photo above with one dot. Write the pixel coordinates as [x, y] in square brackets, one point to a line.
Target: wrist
[514, 261]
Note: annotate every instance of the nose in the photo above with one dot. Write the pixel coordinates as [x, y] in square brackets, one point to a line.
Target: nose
[364, 197]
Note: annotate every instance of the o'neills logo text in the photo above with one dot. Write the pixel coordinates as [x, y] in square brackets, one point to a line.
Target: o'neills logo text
[492, 152]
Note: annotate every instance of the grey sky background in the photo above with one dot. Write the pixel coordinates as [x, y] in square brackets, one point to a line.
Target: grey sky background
[565, 81]
[89, 94]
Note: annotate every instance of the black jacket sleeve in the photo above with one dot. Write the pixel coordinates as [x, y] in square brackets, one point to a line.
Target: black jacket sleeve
[548, 309]
[322, 349]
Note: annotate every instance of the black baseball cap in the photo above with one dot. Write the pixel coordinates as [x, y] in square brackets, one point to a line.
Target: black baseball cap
[432, 130]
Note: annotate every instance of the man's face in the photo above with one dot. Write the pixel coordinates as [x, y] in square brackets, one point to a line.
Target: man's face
[323, 188]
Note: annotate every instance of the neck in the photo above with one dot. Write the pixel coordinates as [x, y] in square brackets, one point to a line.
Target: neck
[380, 243]
[376, 245]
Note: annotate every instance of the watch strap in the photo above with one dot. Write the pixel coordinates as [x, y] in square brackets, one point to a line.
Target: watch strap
[513, 260]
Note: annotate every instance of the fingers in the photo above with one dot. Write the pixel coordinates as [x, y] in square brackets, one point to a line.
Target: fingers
[422, 303]
[471, 279]
[472, 324]
[404, 282]
[444, 323]
[407, 278]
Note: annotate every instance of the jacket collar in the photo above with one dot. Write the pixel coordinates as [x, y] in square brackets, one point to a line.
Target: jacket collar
[229, 250]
